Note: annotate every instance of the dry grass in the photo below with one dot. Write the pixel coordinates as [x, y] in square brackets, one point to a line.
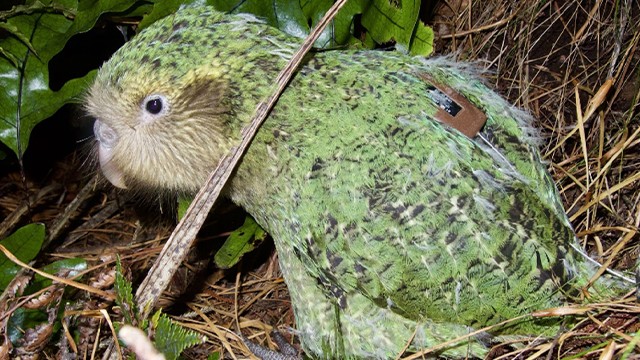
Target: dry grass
[575, 69]
[573, 64]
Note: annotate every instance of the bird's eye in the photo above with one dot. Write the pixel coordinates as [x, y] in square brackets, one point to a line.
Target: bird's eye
[154, 105]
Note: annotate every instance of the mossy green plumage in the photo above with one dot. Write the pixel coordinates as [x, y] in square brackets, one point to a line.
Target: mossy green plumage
[391, 228]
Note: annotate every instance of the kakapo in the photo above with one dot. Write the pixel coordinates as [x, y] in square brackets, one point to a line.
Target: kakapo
[391, 226]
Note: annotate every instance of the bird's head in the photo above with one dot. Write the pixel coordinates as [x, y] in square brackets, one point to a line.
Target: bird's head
[171, 102]
[156, 133]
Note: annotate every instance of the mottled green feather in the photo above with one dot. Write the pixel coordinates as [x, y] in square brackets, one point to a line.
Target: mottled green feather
[390, 227]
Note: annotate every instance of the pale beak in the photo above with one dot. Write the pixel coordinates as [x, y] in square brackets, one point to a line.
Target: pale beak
[107, 139]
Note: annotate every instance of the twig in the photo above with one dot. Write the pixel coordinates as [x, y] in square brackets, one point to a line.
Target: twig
[68, 282]
[64, 218]
[483, 27]
[14, 218]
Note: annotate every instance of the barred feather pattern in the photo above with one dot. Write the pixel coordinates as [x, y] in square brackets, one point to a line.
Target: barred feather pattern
[391, 227]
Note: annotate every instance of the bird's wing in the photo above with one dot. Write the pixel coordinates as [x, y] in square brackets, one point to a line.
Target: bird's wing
[415, 215]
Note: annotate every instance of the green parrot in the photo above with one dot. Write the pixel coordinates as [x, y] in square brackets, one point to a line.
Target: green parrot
[395, 230]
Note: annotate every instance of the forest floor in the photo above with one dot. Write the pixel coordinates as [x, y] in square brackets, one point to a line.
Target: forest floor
[572, 64]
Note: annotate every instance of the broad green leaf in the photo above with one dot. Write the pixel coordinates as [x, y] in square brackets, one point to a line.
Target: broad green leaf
[385, 22]
[26, 98]
[22, 319]
[382, 19]
[241, 241]
[297, 18]
[24, 244]
[19, 35]
[170, 338]
[422, 43]
[70, 268]
[340, 30]
[31, 318]
[162, 8]
[89, 11]
[285, 15]
[12, 59]
[314, 11]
